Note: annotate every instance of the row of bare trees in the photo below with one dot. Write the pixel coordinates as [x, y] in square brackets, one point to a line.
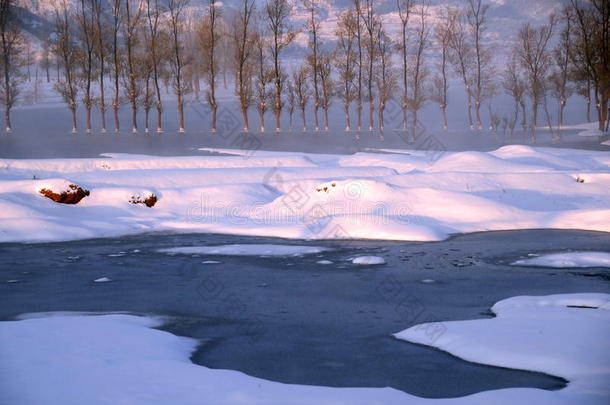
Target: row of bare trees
[127, 51]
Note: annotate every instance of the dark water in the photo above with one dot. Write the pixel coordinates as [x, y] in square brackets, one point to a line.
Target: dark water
[296, 321]
[29, 140]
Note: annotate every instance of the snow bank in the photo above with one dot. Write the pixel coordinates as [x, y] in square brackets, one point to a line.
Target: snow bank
[72, 358]
[570, 259]
[563, 335]
[247, 250]
[399, 195]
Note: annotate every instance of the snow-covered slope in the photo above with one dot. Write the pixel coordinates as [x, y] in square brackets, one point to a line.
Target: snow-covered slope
[409, 195]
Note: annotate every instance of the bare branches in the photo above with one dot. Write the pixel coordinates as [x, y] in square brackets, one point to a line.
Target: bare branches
[11, 60]
[277, 13]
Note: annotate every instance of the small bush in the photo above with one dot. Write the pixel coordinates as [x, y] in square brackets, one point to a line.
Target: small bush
[149, 201]
[72, 196]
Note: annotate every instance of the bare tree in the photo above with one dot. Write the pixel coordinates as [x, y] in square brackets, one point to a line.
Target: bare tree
[535, 59]
[591, 50]
[132, 20]
[116, 8]
[461, 56]
[86, 25]
[346, 61]
[371, 23]
[179, 61]
[559, 78]
[66, 49]
[386, 76]
[208, 39]
[292, 101]
[11, 61]
[360, 66]
[419, 69]
[243, 53]
[278, 13]
[100, 50]
[302, 90]
[153, 14]
[145, 72]
[440, 81]
[476, 16]
[264, 75]
[514, 85]
[312, 59]
[326, 83]
[404, 8]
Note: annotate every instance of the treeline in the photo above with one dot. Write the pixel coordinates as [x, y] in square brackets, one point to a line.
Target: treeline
[114, 52]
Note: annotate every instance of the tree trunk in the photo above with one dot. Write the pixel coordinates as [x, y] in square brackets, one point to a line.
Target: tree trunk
[603, 111]
[470, 123]
[534, 120]
[73, 110]
[303, 118]
[180, 115]
[315, 116]
[562, 105]
[117, 125]
[134, 112]
[7, 118]
[347, 119]
[244, 114]
[261, 116]
[88, 107]
[444, 109]
[214, 111]
[326, 119]
[146, 114]
[278, 112]
[159, 117]
[549, 121]
[477, 106]
[371, 113]
[414, 135]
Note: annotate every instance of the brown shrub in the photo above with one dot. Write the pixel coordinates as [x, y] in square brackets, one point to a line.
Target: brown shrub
[149, 201]
[72, 196]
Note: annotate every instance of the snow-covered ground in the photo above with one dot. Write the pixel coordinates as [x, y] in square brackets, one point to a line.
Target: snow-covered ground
[247, 250]
[410, 195]
[569, 259]
[80, 358]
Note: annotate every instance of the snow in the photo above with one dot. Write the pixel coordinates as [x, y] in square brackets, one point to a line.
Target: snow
[368, 260]
[396, 195]
[102, 280]
[76, 358]
[247, 250]
[569, 259]
[563, 335]
[324, 262]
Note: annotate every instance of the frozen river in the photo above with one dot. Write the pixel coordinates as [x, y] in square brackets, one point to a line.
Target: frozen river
[292, 319]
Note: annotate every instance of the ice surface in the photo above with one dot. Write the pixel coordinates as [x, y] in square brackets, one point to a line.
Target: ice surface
[247, 250]
[366, 260]
[569, 259]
